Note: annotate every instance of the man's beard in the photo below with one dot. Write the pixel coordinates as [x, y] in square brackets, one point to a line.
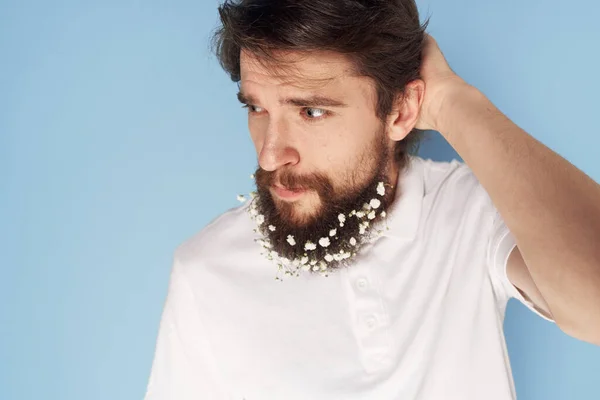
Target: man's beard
[349, 237]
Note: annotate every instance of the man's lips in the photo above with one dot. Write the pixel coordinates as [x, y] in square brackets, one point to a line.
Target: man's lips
[287, 194]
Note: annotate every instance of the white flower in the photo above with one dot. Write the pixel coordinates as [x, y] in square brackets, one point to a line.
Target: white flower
[310, 246]
[315, 268]
[253, 211]
[383, 214]
[352, 212]
[360, 214]
[323, 266]
[362, 229]
[251, 176]
[306, 267]
[332, 232]
[324, 241]
[313, 262]
[341, 224]
[304, 260]
[375, 203]
[353, 241]
[253, 194]
[291, 241]
[380, 189]
[346, 255]
[272, 228]
[342, 218]
[241, 198]
[371, 215]
[260, 219]
[329, 257]
[265, 243]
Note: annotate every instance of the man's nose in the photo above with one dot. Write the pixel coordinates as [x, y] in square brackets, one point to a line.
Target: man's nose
[277, 150]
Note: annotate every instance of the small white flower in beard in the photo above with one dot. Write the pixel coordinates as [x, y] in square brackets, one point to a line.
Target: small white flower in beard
[353, 241]
[260, 219]
[360, 214]
[251, 176]
[342, 218]
[241, 198]
[371, 215]
[383, 214]
[329, 257]
[332, 232]
[253, 194]
[309, 246]
[375, 203]
[362, 228]
[313, 262]
[272, 228]
[305, 267]
[316, 268]
[264, 243]
[324, 242]
[304, 260]
[380, 189]
[323, 265]
[291, 240]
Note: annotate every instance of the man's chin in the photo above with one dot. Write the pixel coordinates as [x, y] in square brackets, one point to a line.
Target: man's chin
[301, 218]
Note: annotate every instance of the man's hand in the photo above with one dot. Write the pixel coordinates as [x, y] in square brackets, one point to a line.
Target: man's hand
[440, 81]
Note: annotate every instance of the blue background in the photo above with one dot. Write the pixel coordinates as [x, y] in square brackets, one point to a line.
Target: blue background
[120, 137]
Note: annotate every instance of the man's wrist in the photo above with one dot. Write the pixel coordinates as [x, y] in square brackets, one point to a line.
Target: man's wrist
[455, 100]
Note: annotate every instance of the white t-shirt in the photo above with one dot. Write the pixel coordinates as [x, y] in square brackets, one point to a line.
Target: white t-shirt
[418, 316]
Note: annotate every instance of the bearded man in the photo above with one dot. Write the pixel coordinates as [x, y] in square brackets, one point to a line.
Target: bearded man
[358, 270]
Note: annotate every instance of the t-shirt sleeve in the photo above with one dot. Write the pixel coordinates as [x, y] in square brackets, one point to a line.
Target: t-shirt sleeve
[500, 245]
[183, 367]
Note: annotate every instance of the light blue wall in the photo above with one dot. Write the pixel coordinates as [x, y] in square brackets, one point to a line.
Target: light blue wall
[120, 137]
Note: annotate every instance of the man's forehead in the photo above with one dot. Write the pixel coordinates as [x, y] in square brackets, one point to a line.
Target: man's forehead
[295, 68]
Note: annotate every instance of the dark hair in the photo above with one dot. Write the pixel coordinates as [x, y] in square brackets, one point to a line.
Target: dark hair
[382, 38]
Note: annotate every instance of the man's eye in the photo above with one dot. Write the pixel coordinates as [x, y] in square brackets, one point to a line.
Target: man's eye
[314, 113]
[253, 109]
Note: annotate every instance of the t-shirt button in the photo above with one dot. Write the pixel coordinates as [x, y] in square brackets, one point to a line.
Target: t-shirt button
[371, 321]
[362, 284]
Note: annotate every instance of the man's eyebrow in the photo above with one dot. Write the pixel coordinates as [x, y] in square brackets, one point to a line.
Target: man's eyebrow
[314, 101]
[245, 99]
[311, 101]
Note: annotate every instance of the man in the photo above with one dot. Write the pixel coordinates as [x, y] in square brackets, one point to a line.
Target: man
[359, 270]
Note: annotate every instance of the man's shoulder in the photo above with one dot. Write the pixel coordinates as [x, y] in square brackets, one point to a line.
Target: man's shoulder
[447, 176]
[452, 185]
[228, 235]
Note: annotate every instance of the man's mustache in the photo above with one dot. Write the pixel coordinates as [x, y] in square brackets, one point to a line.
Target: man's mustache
[266, 179]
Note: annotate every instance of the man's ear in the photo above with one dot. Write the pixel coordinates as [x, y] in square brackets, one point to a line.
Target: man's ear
[405, 112]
